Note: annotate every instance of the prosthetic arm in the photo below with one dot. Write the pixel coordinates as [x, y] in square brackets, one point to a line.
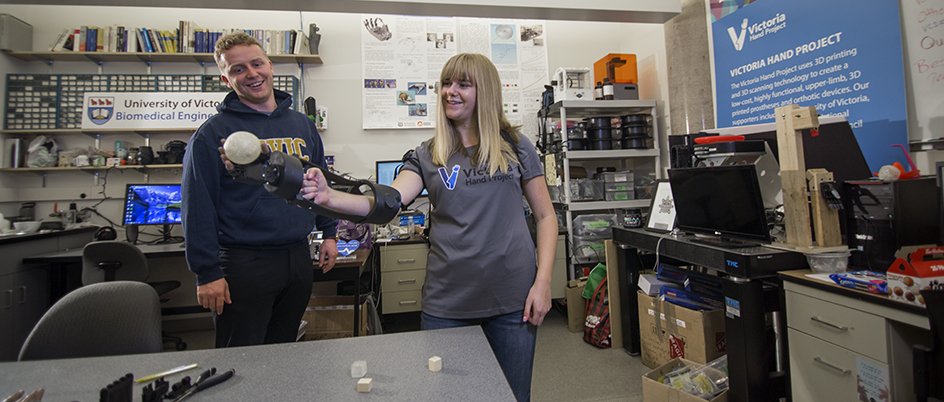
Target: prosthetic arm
[282, 175]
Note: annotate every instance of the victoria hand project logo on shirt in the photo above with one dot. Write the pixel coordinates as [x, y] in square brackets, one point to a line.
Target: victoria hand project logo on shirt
[100, 109]
[449, 179]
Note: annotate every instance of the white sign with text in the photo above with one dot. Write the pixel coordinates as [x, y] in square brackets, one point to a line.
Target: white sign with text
[148, 109]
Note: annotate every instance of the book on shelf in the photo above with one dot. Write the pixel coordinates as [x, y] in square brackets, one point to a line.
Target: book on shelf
[76, 39]
[143, 40]
[91, 39]
[60, 40]
[155, 39]
[69, 44]
[100, 40]
[301, 43]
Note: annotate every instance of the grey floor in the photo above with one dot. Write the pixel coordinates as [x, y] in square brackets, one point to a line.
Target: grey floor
[566, 369]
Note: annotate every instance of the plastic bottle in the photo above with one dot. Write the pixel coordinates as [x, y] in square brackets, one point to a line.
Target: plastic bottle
[608, 89]
[598, 91]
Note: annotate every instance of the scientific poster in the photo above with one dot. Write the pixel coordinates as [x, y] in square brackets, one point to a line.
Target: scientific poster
[401, 58]
[844, 57]
[519, 51]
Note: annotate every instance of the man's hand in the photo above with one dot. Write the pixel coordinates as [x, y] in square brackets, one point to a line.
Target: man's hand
[328, 255]
[213, 295]
[228, 163]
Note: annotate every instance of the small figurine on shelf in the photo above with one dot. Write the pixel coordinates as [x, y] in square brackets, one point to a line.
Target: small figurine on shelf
[314, 38]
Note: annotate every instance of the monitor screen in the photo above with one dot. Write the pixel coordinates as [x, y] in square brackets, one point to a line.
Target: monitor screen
[388, 170]
[721, 200]
[152, 204]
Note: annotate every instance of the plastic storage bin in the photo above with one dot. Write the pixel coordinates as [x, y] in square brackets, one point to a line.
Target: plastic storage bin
[618, 177]
[621, 195]
[597, 225]
[589, 248]
[621, 186]
[586, 190]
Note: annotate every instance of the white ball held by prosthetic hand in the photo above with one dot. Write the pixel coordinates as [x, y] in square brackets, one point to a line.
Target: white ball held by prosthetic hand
[242, 147]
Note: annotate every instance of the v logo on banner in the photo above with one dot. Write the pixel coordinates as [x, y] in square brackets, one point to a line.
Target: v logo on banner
[738, 40]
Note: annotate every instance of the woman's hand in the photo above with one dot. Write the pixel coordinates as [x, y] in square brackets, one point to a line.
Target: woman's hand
[315, 187]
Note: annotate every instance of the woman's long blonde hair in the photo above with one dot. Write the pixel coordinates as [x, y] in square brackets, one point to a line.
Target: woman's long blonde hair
[493, 151]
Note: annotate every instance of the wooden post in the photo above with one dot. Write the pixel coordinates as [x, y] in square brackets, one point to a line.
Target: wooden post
[825, 219]
[791, 120]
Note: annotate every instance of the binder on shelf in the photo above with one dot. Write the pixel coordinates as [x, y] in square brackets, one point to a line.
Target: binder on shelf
[100, 40]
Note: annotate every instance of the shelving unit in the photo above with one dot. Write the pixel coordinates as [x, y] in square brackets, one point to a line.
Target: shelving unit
[100, 57]
[579, 109]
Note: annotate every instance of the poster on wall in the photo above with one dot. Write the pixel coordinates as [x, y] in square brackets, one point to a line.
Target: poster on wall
[148, 109]
[401, 58]
[518, 48]
[924, 40]
[842, 57]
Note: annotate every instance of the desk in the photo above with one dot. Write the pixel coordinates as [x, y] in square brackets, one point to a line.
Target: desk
[62, 260]
[834, 332]
[751, 291]
[302, 371]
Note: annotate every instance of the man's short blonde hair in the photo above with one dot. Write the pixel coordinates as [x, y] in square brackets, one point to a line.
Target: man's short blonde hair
[227, 42]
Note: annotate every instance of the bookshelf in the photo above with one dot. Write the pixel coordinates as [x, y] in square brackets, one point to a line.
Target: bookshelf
[145, 57]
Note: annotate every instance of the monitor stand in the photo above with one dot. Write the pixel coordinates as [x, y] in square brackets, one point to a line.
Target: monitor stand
[166, 232]
[722, 242]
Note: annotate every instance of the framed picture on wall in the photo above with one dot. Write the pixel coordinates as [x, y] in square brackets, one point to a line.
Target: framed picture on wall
[662, 209]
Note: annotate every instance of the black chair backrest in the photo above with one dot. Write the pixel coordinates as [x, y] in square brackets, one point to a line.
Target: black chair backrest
[104, 261]
[101, 319]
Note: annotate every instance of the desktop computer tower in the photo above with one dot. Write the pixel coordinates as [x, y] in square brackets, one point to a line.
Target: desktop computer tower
[882, 217]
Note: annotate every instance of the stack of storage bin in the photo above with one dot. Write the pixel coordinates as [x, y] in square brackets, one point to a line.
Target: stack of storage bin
[589, 233]
[618, 186]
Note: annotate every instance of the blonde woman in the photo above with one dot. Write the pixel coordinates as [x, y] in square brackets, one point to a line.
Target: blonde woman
[482, 268]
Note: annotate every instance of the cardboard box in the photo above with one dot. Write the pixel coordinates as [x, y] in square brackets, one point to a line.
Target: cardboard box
[668, 331]
[925, 271]
[576, 304]
[655, 391]
[332, 317]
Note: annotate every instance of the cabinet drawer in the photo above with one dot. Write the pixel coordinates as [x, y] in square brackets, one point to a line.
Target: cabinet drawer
[821, 371]
[399, 258]
[402, 302]
[396, 281]
[850, 328]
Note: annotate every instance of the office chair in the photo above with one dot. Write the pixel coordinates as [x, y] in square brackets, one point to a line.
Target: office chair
[112, 260]
[928, 362]
[101, 319]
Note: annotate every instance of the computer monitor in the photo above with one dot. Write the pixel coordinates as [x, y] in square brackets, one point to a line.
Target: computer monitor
[723, 201]
[388, 170]
[152, 204]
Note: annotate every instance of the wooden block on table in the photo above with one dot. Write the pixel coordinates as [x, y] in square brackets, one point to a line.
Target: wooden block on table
[435, 363]
[364, 385]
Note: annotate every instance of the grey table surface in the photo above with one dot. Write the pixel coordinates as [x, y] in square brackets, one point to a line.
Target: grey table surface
[303, 371]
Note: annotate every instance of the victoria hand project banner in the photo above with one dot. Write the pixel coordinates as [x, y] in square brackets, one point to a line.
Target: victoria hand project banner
[842, 56]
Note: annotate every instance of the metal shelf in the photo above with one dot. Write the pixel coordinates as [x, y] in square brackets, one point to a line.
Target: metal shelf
[579, 206]
[578, 109]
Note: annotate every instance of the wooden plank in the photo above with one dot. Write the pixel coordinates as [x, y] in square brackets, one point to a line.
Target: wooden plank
[825, 219]
[612, 292]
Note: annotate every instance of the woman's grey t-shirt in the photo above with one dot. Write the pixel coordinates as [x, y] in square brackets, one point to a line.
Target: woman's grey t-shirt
[481, 258]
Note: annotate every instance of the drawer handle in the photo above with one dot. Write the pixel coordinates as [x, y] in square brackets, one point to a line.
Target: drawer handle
[407, 281]
[22, 294]
[828, 324]
[407, 302]
[406, 260]
[841, 370]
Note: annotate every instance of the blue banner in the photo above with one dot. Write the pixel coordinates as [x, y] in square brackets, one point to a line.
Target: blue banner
[842, 56]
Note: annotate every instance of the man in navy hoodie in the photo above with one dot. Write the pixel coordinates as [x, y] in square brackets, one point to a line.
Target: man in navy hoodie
[247, 247]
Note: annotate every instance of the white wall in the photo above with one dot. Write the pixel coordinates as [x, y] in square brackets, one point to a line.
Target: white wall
[335, 84]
